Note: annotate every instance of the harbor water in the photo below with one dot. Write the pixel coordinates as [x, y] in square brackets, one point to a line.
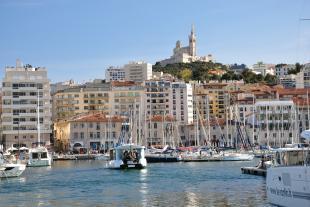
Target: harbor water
[90, 183]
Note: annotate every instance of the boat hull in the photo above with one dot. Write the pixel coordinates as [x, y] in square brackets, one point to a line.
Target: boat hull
[39, 163]
[288, 185]
[238, 157]
[11, 170]
[119, 164]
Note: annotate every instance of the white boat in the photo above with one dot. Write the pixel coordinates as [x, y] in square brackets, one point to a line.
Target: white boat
[39, 156]
[234, 156]
[127, 156]
[8, 170]
[102, 157]
[288, 180]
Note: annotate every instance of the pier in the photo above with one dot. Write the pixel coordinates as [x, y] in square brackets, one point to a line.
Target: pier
[254, 171]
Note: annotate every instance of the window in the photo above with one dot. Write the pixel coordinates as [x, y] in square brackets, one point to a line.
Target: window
[82, 135]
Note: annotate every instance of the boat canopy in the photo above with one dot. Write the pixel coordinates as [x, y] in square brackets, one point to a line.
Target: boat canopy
[129, 146]
[306, 134]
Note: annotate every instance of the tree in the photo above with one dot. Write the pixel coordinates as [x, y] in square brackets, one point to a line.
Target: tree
[270, 79]
[186, 74]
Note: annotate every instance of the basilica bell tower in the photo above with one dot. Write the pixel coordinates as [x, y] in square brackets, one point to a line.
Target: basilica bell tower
[192, 42]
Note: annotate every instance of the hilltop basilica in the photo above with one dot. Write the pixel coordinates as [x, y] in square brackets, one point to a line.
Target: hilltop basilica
[186, 54]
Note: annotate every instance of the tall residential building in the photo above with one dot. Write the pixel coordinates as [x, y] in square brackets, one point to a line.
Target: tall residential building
[90, 97]
[138, 71]
[21, 87]
[182, 102]
[115, 74]
[157, 98]
[212, 95]
[186, 54]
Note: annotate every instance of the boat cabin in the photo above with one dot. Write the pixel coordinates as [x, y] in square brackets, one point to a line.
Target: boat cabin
[127, 156]
[292, 156]
[127, 153]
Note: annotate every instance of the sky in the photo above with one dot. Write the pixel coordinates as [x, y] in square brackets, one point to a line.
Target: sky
[78, 40]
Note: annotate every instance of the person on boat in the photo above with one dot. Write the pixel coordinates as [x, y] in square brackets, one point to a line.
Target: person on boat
[132, 156]
[136, 155]
[125, 157]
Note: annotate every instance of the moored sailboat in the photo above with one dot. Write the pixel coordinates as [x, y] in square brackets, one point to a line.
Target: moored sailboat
[39, 156]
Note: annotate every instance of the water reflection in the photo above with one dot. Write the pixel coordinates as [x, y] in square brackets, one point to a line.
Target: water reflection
[143, 187]
[88, 183]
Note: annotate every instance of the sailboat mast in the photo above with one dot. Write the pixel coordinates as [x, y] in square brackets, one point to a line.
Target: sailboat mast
[38, 119]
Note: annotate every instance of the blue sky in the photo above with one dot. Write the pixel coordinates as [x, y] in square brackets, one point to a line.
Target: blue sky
[78, 39]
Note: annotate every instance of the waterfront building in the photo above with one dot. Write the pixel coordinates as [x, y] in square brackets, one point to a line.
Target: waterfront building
[89, 130]
[138, 71]
[21, 87]
[186, 54]
[90, 97]
[302, 106]
[277, 123]
[263, 68]
[303, 77]
[115, 74]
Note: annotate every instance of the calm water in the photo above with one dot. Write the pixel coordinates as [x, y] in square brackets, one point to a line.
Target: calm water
[89, 183]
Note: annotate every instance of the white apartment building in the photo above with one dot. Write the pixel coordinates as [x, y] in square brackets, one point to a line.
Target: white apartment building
[182, 102]
[263, 68]
[277, 123]
[303, 77]
[21, 87]
[282, 70]
[138, 71]
[115, 74]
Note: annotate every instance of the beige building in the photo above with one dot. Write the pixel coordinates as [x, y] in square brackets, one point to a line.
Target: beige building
[22, 85]
[90, 97]
[138, 71]
[91, 130]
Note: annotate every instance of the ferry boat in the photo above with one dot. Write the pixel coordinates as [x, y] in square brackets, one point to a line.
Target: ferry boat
[288, 180]
[127, 156]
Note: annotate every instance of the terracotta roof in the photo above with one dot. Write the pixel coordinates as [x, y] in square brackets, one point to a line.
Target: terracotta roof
[97, 117]
[301, 101]
[159, 118]
[293, 91]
